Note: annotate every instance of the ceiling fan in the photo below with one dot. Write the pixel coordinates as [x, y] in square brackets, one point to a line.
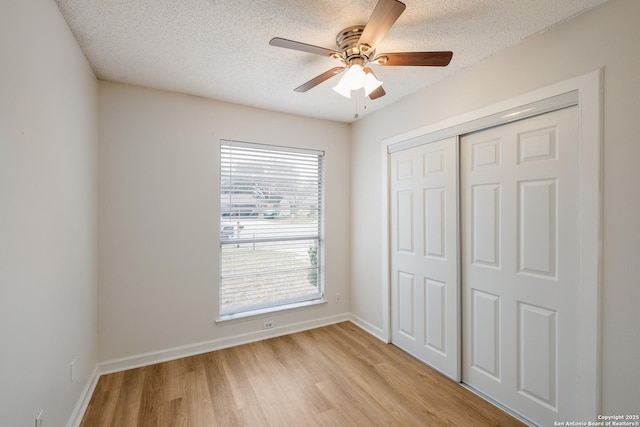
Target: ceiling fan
[357, 50]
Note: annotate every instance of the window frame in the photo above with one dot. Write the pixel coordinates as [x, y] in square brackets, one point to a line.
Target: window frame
[280, 304]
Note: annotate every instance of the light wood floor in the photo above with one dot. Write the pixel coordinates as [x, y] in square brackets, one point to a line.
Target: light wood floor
[332, 376]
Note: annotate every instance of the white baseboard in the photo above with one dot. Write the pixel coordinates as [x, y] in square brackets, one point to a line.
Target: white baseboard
[165, 355]
[368, 327]
[85, 398]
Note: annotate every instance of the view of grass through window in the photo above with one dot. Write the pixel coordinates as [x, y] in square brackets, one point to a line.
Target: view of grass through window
[270, 226]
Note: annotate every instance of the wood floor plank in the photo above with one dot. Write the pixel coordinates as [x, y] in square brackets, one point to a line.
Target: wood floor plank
[172, 384]
[174, 413]
[130, 394]
[332, 376]
[224, 408]
[101, 409]
[151, 409]
[199, 411]
[244, 397]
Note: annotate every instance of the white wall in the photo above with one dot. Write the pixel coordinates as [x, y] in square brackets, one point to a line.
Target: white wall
[607, 37]
[158, 209]
[48, 133]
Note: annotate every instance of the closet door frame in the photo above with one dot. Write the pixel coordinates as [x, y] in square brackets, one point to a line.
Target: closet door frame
[586, 92]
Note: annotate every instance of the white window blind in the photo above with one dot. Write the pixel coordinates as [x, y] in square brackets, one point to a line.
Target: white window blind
[271, 210]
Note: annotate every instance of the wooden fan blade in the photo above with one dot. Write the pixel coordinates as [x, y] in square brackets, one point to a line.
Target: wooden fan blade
[415, 59]
[319, 79]
[369, 70]
[377, 93]
[385, 14]
[302, 47]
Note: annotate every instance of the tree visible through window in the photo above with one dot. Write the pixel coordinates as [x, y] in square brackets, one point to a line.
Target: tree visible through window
[271, 207]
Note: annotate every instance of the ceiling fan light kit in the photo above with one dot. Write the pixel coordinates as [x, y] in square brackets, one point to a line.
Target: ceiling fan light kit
[356, 50]
[356, 78]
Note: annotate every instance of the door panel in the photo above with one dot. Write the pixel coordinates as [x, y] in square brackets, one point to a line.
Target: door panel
[405, 223]
[434, 214]
[536, 227]
[537, 350]
[519, 186]
[485, 354]
[424, 254]
[406, 297]
[435, 303]
[485, 223]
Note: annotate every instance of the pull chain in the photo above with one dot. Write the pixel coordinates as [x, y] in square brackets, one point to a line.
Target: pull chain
[364, 105]
[355, 116]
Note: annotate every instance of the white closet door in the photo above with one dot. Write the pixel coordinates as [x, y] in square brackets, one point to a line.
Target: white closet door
[424, 254]
[519, 206]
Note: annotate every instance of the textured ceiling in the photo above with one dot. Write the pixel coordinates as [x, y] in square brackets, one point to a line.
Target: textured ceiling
[219, 49]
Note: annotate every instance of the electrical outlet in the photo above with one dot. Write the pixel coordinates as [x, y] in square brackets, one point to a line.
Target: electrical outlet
[39, 419]
[72, 373]
[338, 298]
[268, 324]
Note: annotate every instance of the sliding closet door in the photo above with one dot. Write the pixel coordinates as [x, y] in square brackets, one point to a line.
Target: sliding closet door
[424, 254]
[519, 207]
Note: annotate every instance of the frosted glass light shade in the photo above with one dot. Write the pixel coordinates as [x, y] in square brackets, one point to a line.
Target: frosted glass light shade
[354, 77]
[342, 89]
[371, 84]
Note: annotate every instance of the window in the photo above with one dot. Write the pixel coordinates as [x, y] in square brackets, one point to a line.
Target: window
[271, 210]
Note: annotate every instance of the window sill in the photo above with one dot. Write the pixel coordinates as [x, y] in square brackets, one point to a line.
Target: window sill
[254, 313]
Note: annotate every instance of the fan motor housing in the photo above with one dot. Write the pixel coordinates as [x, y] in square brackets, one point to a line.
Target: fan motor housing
[347, 41]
